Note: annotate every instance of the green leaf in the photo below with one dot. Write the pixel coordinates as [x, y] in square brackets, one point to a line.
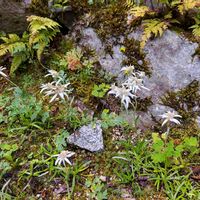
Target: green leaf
[60, 140]
[16, 62]
[155, 137]
[100, 90]
[191, 141]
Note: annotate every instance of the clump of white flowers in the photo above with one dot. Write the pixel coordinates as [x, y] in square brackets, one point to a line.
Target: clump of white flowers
[128, 90]
[59, 88]
[123, 93]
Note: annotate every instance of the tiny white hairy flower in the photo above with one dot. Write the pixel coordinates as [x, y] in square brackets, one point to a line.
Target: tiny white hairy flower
[52, 73]
[128, 70]
[170, 117]
[134, 84]
[56, 90]
[47, 86]
[62, 157]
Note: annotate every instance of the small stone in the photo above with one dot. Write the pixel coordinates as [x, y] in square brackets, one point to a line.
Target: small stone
[140, 62]
[88, 137]
[103, 178]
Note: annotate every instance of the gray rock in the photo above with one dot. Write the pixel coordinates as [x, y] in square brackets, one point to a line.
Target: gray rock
[111, 64]
[13, 16]
[172, 63]
[88, 137]
[171, 60]
[173, 67]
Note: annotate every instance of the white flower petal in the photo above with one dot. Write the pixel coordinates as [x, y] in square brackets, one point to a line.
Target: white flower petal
[175, 121]
[165, 121]
[57, 160]
[68, 161]
[70, 154]
[53, 98]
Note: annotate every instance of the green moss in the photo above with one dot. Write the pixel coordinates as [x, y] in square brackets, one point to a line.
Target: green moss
[134, 54]
[40, 7]
[191, 129]
[79, 6]
[143, 104]
[110, 21]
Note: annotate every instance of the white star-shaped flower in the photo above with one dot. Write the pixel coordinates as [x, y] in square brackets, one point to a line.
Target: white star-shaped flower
[170, 117]
[56, 90]
[123, 93]
[63, 156]
[134, 84]
[52, 73]
[128, 70]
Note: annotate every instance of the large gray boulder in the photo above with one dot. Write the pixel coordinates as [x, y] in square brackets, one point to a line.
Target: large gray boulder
[88, 137]
[171, 59]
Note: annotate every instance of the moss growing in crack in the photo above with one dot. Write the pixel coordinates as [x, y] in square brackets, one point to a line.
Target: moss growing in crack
[110, 21]
[185, 101]
[40, 7]
[133, 54]
[143, 104]
[191, 129]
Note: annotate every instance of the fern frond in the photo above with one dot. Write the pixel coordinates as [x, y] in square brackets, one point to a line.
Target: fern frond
[129, 3]
[196, 30]
[17, 61]
[186, 5]
[12, 44]
[37, 23]
[139, 11]
[17, 47]
[153, 27]
[42, 30]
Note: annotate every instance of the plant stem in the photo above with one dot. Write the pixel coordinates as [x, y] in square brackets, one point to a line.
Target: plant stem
[10, 81]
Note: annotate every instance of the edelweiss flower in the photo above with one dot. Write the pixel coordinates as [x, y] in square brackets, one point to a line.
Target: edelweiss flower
[57, 90]
[53, 73]
[63, 156]
[123, 93]
[170, 117]
[2, 73]
[114, 90]
[128, 70]
[134, 84]
[47, 86]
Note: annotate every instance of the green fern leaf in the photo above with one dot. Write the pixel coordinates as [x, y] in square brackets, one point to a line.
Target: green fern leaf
[40, 50]
[186, 5]
[16, 62]
[153, 27]
[17, 47]
[139, 11]
[196, 30]
[42, 30]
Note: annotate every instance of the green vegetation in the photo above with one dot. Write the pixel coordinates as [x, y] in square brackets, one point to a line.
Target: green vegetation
[50, 88]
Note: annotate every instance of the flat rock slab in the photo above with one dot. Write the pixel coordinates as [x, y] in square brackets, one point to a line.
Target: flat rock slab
[88, 137]
[171, 59]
